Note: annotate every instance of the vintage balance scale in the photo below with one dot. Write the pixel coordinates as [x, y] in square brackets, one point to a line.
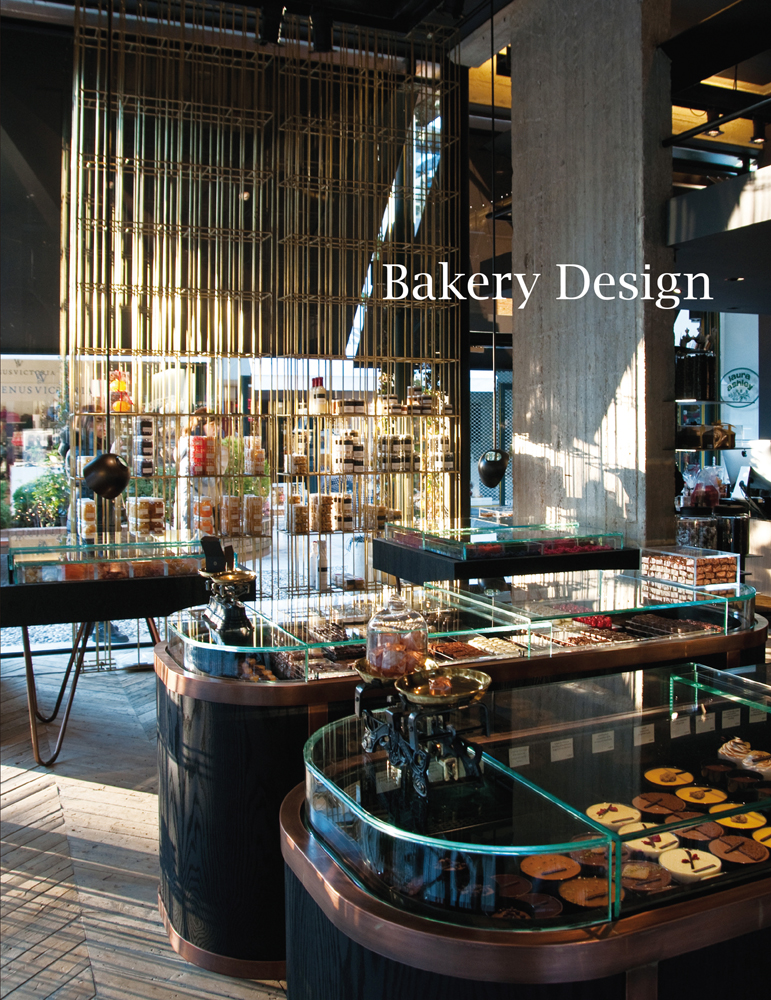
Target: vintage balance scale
[416, 727]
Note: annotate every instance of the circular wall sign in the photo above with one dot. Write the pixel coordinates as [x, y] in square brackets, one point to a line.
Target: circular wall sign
[740, 387]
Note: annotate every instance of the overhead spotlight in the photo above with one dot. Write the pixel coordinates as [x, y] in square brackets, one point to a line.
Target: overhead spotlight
[715, 129]
[271, 16]
[758, 131]
[321, 30]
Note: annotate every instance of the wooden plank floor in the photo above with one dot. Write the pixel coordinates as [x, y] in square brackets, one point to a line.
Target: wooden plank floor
[80, 850]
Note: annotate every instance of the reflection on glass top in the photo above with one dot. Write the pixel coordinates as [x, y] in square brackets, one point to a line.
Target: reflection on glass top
[594, 592]
[470, 540]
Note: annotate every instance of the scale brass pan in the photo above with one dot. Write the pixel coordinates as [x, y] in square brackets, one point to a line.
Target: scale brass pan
[466, 686]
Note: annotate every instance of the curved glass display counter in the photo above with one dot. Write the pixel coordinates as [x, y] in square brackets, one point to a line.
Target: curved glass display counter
[597, 798]
[322, 635]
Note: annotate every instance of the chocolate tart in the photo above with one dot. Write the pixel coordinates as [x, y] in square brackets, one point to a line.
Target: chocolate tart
[588, 893]
[736, 852]
[657, 803]
[530, 906]
[714, 772]
[549, 868]
[686, 865]
[695, 836]
[644, 877]
[511, 886]
[742, 821]
[701, 796]
[741, 784]
[594, 860]
[668, 777]
[613, 814]
[649, 845]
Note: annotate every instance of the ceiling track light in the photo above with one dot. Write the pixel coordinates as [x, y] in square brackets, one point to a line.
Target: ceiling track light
[758, 131]
[713, 117]
[269, 29]
[321, 30]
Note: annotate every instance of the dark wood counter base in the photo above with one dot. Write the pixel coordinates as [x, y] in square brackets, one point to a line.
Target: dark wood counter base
[236, 967]
[331, 920]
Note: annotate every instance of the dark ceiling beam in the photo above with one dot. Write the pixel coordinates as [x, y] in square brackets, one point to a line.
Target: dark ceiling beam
[400, 18]
[705, 97]
[736, 33]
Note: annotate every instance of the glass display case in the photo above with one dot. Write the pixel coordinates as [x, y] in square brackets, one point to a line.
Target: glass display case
[103, 561]
[597, 798]
[481, 541]
[309, 638]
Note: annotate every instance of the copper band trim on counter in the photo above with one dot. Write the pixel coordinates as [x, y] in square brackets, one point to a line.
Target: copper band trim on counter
[511, 956]
[587, 661]
[240, 968]
[230, 691]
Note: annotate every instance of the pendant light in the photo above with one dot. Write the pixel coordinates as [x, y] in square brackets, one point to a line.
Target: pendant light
[493, 463]
[108, 475]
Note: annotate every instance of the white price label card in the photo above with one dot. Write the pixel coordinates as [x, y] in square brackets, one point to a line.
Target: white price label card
[385, 783]
[562, 749]
[680, 726]
[731, 717]
[519, 756]
[435, 771]
[602, 742]
[758, 715]
[644, 734]
[705, 723]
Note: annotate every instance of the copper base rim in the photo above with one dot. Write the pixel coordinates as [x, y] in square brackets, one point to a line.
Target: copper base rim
[238, 968]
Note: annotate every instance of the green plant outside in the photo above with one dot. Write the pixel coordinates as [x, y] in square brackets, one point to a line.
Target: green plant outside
[43, 502]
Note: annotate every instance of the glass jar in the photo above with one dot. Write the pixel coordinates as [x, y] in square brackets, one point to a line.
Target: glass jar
[697, 530]
[397, 640]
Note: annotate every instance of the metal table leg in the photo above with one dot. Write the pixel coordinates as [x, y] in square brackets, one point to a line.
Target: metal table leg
[76, 658]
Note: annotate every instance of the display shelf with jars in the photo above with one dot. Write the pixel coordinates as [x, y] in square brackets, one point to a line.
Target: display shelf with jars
[240, 352]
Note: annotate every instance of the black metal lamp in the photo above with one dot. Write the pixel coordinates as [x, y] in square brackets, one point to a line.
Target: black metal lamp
[494, 462]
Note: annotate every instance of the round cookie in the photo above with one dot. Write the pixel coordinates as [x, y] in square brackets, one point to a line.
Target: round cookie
[668, 777]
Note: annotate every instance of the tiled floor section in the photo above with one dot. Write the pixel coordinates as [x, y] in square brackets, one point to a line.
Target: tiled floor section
[80, 850]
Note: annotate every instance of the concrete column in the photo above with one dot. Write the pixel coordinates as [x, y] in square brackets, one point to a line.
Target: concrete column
[593, 379]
